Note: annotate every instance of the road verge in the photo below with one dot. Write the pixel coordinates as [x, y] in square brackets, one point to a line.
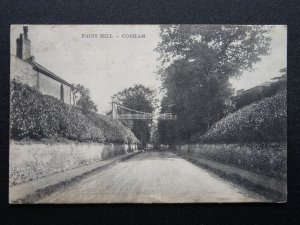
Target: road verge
[33, 191]
[270, 188]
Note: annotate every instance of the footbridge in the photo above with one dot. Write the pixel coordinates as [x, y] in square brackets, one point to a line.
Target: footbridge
[123, 113]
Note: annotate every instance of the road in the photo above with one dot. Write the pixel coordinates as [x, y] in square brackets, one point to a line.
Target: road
[153, 177]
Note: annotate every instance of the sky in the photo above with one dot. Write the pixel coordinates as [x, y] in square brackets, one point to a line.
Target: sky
[270, 65]
[109, 65]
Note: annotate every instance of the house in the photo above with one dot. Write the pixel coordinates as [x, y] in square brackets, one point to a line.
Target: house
[254, 94]
[257, 89]
[25, 69]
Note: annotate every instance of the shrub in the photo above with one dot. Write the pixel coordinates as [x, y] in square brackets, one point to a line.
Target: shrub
[37, 116]
[113, 130]
[261, 122]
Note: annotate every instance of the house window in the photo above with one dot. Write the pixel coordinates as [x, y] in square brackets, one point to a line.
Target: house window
[61, 92]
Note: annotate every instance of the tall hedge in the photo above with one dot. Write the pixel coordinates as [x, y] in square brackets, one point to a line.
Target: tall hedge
[36, 116]
[261, 122]
[111, 129]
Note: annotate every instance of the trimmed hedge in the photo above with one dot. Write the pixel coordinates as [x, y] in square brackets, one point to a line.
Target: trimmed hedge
[36, 116]
[113, 130]
[261, 122]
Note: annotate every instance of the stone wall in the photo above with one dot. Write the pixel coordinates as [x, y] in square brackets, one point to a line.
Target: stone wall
[266, 159]
[264, 165]
[241, 175]
[29, 161]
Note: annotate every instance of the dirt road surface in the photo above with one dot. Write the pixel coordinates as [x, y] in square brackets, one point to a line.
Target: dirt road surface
[153, 177]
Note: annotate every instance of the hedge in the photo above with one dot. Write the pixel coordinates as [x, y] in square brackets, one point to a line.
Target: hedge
[113, 130]
[261, 122]
[36, 116]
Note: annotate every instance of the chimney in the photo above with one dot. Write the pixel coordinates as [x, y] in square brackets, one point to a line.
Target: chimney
[23, 45]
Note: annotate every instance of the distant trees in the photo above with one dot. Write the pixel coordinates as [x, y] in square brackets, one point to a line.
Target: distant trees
[82, 98]
[139, 98]
[197, 62]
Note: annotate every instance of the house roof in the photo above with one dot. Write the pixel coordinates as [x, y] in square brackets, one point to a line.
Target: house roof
[47, 72]
[254, 89]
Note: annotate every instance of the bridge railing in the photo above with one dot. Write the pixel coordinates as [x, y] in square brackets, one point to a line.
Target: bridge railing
[146, 116]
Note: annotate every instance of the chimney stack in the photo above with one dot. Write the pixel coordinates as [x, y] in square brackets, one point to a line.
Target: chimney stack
[23, 45]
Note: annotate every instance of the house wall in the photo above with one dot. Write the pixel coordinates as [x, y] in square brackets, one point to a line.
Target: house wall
[23, 71]
[67, 95]
[49, 86]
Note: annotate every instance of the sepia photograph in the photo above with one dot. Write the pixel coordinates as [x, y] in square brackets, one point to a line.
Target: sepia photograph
[172, 113]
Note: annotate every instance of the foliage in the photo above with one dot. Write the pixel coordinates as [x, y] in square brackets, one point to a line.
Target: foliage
[197, 62]
[82, 98]
[263, 121]
[113, 130]
[142, 99]
[36, 116]
[234, 48]
[189, 93]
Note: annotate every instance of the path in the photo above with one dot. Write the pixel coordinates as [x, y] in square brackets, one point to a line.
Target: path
[153, 177]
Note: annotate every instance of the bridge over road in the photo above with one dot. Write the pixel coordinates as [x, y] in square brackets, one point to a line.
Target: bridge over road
[153, 177]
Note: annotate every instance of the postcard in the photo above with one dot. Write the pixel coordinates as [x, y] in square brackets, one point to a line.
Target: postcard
[172, 113]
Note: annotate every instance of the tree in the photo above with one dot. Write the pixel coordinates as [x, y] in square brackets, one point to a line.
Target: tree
[197, 63]
[82, 98]
[142, 99]
[234, 47]
[283, 75]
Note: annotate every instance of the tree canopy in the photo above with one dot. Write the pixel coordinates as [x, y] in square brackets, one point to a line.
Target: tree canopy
[139, 98]
[197, 63]
[82, 98]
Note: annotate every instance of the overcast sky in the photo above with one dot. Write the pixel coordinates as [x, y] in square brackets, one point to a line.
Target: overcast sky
[108, 65]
